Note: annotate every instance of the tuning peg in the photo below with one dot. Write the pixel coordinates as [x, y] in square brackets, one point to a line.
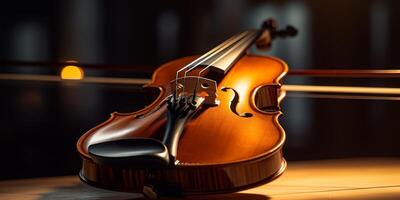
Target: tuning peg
[270, 32]
[270, 24]
[290, 31]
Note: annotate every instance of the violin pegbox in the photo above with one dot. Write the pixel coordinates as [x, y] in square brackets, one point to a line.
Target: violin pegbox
[270, 31]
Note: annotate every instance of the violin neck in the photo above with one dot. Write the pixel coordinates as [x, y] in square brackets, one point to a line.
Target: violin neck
[225, 55]
[230, 53]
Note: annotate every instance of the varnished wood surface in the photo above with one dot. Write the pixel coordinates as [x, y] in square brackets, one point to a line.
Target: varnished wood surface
[219, 150]
[367, 178]
[218, 128]
[353, 73]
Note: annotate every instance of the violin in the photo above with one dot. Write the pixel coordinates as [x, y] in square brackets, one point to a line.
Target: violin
[213, 127]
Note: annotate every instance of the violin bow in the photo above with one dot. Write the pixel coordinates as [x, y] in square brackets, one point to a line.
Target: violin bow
[350, 73]
[315, 91]
[344, 92]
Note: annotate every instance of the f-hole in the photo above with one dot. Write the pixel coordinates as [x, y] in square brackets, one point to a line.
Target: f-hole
[234, 102]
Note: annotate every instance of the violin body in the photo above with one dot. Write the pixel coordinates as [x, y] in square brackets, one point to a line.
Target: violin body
[229, 147]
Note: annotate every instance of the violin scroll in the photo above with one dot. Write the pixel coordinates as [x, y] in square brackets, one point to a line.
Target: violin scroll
[270, 32]
[203, 133]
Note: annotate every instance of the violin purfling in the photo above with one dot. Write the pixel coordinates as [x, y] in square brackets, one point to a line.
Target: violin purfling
[213, 127]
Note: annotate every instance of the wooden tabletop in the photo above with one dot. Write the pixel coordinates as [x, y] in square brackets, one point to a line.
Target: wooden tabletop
[372, 178]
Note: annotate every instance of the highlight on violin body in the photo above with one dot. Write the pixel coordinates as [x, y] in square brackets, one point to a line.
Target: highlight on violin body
[200, 100]
[212, 100]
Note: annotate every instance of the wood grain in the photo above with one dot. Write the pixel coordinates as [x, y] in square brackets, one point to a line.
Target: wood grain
[367, 178]
[219, 150]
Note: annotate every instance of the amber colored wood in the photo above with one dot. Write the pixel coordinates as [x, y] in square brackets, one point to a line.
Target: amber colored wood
[355, 178]
[219, 150]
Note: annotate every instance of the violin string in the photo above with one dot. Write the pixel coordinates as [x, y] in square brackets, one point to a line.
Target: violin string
[239, 43]
[201, 59]
[212, 53]
[204, 57]
[238, 38]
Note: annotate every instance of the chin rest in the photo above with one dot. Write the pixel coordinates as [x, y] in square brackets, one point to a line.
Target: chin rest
[136, 152]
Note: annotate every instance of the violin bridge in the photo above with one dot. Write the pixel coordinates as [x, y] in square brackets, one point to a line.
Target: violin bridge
[196, 87]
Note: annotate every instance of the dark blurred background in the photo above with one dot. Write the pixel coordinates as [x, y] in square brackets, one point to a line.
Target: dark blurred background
[41, 121]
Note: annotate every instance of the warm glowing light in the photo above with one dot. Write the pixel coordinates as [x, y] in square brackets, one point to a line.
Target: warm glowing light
[342, 89]
[242, 87]
[72, 72]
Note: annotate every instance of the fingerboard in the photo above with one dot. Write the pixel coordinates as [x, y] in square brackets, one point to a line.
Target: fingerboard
[230, 51]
